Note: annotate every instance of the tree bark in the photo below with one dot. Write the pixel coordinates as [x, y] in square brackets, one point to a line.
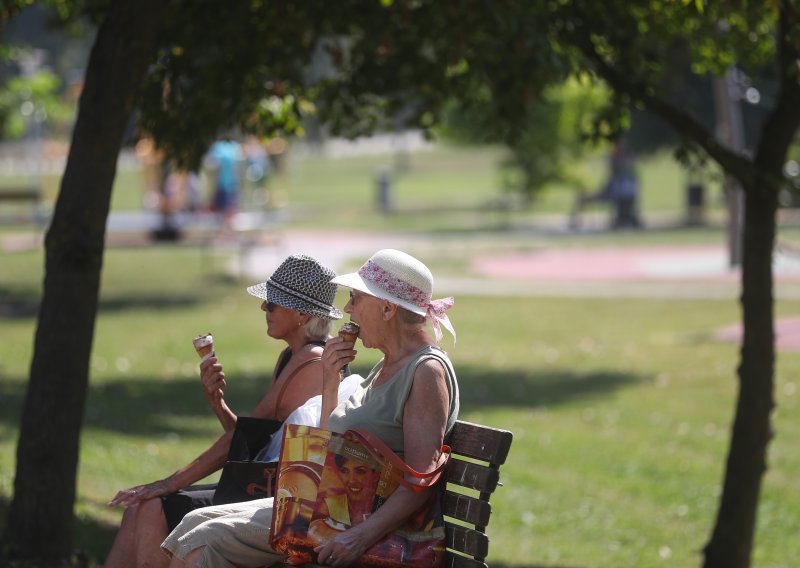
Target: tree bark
[732, 539]
[41, 514]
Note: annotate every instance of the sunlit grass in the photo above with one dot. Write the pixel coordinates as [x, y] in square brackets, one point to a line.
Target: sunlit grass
[620, 408]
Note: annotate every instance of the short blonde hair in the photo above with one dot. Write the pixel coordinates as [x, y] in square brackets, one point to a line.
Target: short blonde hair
[318, 329]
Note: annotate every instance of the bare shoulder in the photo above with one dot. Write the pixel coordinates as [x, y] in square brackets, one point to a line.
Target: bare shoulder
[430, 380]
[310, 351]
[305, 361]
[430, 368]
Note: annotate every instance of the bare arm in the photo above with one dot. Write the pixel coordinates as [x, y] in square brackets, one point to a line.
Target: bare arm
[215, 456]
[206, 463]
[424, 423]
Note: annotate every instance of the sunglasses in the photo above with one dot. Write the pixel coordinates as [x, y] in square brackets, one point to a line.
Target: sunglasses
[355, 295]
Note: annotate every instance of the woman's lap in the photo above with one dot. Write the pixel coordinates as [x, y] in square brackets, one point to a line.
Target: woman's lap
[232, 535]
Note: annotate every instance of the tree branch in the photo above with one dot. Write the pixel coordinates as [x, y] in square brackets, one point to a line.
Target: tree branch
[783, 121]
[739, 166]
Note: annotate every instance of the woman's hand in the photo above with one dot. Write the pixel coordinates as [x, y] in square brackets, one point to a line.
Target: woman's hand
[344, 549]
[336, 355]
[128, 497]
[213, 379]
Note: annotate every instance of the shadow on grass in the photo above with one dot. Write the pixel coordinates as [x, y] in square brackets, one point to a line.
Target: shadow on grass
[149, 406]
[18, 303]
[503, 565]
[26, 306]
[154, 406]
[93, 540]
[482, 387]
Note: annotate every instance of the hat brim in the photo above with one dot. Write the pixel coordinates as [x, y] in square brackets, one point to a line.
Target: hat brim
[356, 282]
[291, 302]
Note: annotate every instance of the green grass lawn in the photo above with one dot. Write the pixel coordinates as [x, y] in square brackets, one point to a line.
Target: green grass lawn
[621, 409]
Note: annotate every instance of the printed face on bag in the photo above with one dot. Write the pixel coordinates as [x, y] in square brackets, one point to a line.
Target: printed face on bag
[347, 491]
[357, 480]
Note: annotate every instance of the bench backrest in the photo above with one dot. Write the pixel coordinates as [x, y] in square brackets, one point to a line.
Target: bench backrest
[473, 475]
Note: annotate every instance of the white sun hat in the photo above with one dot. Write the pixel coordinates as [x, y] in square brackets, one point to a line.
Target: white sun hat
[400, 278]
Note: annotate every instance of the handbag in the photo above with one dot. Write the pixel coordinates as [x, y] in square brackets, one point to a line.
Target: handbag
[243, 478]
[328, 482]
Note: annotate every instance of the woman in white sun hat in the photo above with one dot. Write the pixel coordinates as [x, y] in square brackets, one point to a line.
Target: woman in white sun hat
[409, 400]
[297, 301]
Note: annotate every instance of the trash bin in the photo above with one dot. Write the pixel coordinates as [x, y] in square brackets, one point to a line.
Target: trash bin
[695, 204]
[383, 188]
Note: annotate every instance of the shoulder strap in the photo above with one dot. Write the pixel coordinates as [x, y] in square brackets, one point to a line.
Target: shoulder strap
[381, 452]
[283, 358]
[288, 380]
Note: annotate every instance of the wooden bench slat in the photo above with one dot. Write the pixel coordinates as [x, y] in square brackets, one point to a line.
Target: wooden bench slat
[480, 442]
[20, 194]
[467, 541]
[454, 560]
[467, 509]
[473, 475]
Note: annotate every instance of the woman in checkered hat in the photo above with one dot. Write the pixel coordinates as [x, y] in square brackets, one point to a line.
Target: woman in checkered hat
[297, 301]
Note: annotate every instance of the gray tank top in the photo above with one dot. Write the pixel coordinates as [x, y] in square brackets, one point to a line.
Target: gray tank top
[380, 409]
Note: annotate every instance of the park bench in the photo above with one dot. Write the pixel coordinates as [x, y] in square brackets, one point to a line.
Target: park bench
[31, 195]
[478, 453]
[472, 476]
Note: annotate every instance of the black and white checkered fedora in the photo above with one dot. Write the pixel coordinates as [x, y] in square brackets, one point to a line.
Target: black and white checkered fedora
[302, 284]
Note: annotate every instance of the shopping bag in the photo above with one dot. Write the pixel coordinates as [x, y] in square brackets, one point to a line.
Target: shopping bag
[243, 479]
[329, 482]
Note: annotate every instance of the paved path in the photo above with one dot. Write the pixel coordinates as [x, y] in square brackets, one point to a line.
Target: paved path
[665, 271]
[691, 271]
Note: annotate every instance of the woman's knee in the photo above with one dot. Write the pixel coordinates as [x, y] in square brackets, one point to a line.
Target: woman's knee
[151, 509]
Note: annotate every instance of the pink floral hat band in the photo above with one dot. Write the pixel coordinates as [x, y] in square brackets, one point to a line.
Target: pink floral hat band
[408, 293]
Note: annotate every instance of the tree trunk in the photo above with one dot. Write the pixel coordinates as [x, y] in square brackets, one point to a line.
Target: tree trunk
[732, 540]
[41, 514]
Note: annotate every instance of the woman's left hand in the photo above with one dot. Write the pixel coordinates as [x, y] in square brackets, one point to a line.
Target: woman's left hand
[343, 550]
[128, 497]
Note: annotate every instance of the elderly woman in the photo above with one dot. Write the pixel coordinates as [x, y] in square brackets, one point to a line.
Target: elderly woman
[409, 400]
[298, 303]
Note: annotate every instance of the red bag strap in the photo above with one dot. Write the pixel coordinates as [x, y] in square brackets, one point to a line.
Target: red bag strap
[380, 451]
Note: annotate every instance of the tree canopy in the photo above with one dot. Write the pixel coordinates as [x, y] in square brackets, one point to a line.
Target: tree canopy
[205, 65]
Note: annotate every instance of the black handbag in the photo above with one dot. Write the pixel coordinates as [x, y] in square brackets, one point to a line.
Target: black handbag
[242, 478]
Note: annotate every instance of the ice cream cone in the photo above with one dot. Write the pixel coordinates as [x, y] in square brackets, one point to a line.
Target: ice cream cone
[349, 331]
[204, 345]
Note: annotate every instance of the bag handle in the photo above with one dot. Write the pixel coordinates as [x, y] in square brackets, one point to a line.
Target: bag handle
[288, 380]
[380, 451]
